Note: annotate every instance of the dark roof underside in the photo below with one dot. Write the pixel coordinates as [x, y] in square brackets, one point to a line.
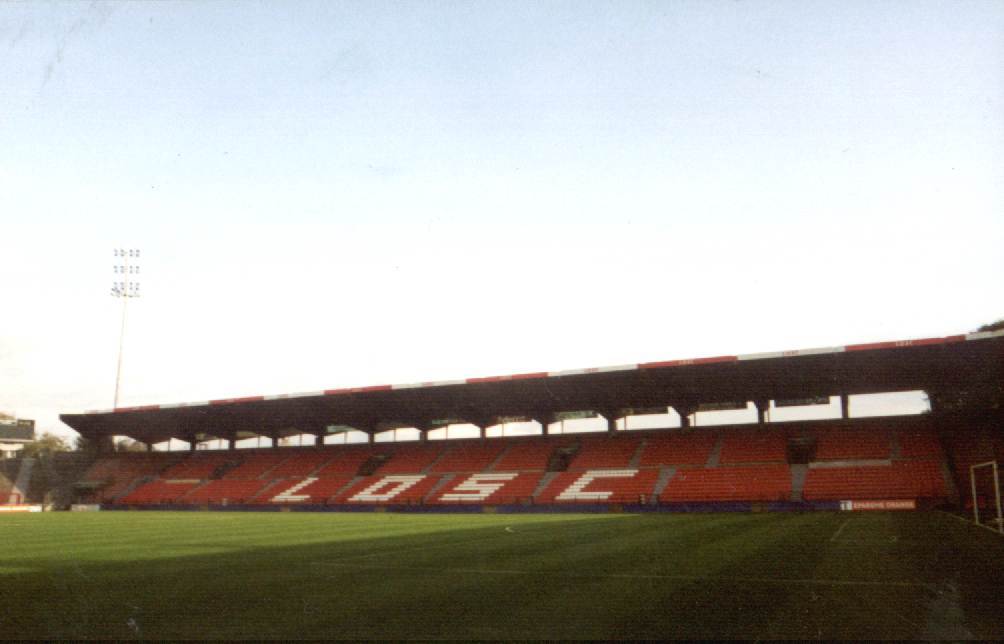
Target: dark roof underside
[943, 366]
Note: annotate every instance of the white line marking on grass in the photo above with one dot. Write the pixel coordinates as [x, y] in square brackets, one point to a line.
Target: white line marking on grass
[430, 546]
[551, 573]
[882, 541]
[839, 530]
[970, 522]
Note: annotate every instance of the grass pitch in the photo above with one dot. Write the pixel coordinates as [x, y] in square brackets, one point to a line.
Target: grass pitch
[297, 575]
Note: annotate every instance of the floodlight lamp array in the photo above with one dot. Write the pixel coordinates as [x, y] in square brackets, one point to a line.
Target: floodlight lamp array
[129, 287]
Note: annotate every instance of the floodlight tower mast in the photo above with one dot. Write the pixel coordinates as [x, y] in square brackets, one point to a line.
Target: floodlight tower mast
[125, 287]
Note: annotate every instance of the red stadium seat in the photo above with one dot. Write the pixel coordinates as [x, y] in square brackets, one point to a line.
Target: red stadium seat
[490, 488]
[200, 465]
[528, 455]
[256, 464]
[303, 463]
[159, 491]
[752, 467]
[116, 473]
[605, 452]
[851, 444]
[762, 445]
[411, 459]
[746, 483]
[691, 448]
[920, 443]
[469, 457]
[628, 485]
[901, 480]
[225, 491]
[344, 461]
[389, 489]
[306, 490]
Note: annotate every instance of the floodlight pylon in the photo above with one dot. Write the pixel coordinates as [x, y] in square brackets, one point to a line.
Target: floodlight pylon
[125, 287]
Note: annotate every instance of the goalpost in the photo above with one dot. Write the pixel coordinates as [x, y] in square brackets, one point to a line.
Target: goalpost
[994, 483]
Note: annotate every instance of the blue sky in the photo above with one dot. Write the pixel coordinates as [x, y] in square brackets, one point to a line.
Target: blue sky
[332, 194]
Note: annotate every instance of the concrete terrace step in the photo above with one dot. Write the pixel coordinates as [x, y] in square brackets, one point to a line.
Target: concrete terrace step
[442, 454]
[440, 484]
[665, 474]
[716, 453]
[544, 482]
[798, 473]
[263, 495]
[348, 486]
[498, 459]
[636, 458]
[133, 486]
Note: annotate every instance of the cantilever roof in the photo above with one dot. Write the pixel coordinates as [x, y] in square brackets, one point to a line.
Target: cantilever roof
[929, 364]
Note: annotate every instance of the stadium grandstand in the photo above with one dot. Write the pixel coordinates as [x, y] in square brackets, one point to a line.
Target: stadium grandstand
[910, 461]
[623, 527]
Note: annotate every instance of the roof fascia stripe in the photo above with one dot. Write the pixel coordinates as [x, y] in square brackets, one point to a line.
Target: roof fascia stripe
[120, 410]
[304, 394]
[356, 390]
[515, 376]
[904, 343]
[983, 335]
[232, 401]
[204, 403]
[687, 362]
[579, 372]
[790, 354]
[435, 383]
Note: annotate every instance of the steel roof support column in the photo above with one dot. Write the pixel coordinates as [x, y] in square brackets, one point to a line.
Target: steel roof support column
[937, 400]
[545, 418]
[845, 406]
[482, 424]
[106, 445]
[611, 418]
[318, 431]
[368, 428]
[684, 409]
[761, 410]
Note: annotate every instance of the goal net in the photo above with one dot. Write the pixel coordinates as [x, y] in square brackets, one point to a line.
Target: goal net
[986, 495]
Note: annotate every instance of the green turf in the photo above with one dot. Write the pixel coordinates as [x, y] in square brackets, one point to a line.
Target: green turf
[295, 575]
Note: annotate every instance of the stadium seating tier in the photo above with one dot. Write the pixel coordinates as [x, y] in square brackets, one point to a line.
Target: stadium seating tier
[527, 455]
[606, 452]
[468, 457]
[757, 446]
[628, 485]
[691, 448]
[900, 458]
[851, 444]
[740, 483]
[901, 480]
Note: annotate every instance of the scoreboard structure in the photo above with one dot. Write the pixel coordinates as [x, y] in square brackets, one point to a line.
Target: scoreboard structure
[14, 434]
